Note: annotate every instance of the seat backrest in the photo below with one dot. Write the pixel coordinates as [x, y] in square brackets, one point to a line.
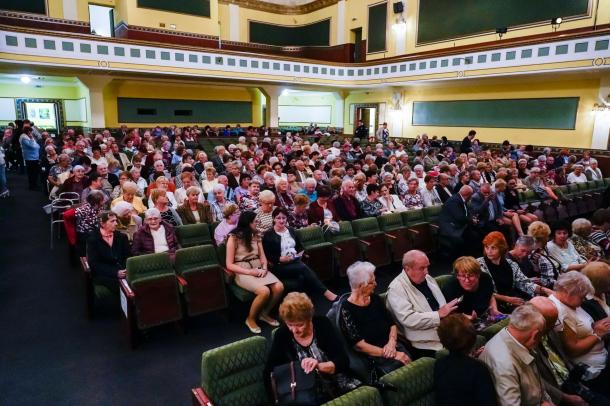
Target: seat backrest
[414, 383]
[391, 221]
[233, 374]
[599, 184]
[362, 396]
[573, 188]
[195, 257]
[365, 226]
[432, 213]
[149, 265]
[345, 231]
[529, 196]
[193, 234]
[309, 236]
[441, 280]
[583, 187]
[221, 254]
[412, 217]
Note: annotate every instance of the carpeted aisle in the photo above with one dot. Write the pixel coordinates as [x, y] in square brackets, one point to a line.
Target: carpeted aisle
[51, 354]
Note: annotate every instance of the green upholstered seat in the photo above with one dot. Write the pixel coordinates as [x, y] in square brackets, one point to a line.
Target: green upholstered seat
[376, 248]
[232, 375]
[529, 196]
[317, 251]
[414, 383]
[366, 227]
[413, 217]
[347, 249]
[443, 279]
[492, 330]
[390, 222]
[600, 184]
[362, 396]
[607, 181]
[205, 289]
[144, 267]
[193, 234]
[432, 213]
[345, 233]
[573, 189]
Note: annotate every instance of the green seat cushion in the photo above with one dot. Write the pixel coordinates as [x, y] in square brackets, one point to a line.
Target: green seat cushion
[241, 294]
[102, 292]
[317, 246]
[362, 396]
[494, 329]
[414, 383]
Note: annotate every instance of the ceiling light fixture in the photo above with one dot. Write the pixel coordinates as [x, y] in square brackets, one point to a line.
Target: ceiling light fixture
[285, 92]
[556, 22]
[501, 31]
[25, 79]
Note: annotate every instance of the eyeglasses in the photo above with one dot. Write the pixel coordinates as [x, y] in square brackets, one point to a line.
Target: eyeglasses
[467, 276]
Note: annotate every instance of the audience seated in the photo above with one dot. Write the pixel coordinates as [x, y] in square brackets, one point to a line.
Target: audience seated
[310, 342]
[160, 201]
[128, 194]
[562, 249]
[128, 222]
[544, 265]
[247, 262]
[581, 230]
[284, 253]
[418, 305]
[156, 235]
[598, 304]
[367, 325]
[454, 220]
[509, 356]
[193, 212]
[347, 206]
[298, 216]
[86, 217]
[459, 378]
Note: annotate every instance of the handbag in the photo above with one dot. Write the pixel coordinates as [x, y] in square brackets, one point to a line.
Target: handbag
[292, 386]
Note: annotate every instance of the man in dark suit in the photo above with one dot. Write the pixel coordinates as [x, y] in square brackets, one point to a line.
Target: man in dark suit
[361, 131]
[454, 220]
[466, 146]
[443, 188]
[218, 160]
[485, 209]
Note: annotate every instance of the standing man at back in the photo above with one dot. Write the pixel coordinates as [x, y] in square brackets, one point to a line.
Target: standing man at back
[466, 146]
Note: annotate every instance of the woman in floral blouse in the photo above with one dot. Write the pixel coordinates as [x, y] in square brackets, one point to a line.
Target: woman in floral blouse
[413, 199]
[298, 218]
[371, 206]
[86, 217]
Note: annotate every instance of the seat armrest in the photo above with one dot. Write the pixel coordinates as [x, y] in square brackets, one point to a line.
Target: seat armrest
[85, 265]
[181, 281]
[337, 248]
[126, 288]
[368, 244]
[435, 226]
[200, 398]
[412, 230]
[390, 236]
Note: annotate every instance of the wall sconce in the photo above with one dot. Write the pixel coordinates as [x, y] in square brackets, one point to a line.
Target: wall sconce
[400, 24]
[556, 22]
[501, 31]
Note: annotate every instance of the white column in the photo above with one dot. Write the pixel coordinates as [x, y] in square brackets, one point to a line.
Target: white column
[338, 109]
[601, 126]
[233, 22]
[272, 96]
[96, 85]
[340, 23]
[70, 10]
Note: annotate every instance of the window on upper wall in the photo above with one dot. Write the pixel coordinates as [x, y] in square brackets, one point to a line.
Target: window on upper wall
[101, 20]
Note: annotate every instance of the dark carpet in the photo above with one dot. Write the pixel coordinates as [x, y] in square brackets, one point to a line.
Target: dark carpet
[52, 355]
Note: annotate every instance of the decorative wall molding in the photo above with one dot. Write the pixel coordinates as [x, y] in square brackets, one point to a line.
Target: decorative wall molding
[93, 53]
[280, 8]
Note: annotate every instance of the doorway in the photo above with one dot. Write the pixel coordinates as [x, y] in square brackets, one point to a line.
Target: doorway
[369, 116]
[357, 41]
[101, 20]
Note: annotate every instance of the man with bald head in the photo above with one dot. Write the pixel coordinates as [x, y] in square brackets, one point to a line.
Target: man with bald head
[418, 305]
[553, 365]
[454, 220]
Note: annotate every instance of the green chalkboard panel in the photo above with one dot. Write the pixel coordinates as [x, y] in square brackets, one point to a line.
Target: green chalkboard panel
[446, 19]
[193, 7]
[25, 6]
[133, 110]
[377, 27]
[316, 34]
[552, 113]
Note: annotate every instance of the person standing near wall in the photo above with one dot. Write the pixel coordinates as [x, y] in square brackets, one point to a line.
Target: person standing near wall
[31, 155]
[383, 134]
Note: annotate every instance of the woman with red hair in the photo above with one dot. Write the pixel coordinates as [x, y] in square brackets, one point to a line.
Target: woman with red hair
[511, 286]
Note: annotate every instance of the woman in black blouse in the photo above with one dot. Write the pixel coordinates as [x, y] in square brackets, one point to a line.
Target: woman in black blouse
[310, 341]
[282, 251]
[107, 252]
[366, 324]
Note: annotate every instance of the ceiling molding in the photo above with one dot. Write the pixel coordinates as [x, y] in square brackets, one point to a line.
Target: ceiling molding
[280, 8]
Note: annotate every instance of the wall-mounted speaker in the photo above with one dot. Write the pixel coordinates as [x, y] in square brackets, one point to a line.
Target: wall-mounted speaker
[399, 7]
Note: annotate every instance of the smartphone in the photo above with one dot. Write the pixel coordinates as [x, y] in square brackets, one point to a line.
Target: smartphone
[460, 299]
[298, 255]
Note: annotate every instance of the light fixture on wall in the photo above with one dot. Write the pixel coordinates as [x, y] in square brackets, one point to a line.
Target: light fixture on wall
[25, 79]
[400, 24]
[556, 22]
[501, 31]
[285, 92]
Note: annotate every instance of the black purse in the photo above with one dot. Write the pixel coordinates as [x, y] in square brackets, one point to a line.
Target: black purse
[292, 386]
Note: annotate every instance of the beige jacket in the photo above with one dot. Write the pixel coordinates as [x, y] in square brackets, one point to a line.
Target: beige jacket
[413, 313]
[513, 369]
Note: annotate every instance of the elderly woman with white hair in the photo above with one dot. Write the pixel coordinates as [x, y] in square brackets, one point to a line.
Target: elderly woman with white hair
[581, 231]
[592, 172]
[264, 217]
[367, 325]
[127, 222]
[76, 183]
[154, 236]
[158, 170]
[283, 195]
[192, 211]
[219, 202]
[581, 337]
[129, 191]
[309, 189]
[577, 175]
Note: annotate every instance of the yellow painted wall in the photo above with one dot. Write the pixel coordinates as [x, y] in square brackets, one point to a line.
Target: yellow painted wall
[509, 88]
[46, 92]
[165, 90]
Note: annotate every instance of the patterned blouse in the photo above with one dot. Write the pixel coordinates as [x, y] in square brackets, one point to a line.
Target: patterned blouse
[248, 203]
[86, 218]
[585, 247]
[217, 210]
[263, 221]
[298, 220]
[520, 281]
[413, 201]
[285, 200]
[371, 208]
[545, 266]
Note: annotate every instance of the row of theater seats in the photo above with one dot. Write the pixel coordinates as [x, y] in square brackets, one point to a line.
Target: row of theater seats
[195, 283]
[231, 375]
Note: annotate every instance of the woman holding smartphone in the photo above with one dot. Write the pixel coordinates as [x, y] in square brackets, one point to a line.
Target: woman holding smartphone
[283, 251]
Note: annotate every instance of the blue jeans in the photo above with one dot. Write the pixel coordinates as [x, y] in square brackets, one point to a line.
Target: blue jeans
[2, 178]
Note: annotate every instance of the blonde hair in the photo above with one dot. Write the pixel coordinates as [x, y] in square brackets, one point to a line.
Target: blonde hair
[266, 196]
[599, 275]
[539, 231]
[296, 307]
[467, 265]
[157, 193]
[229, 209]
[130, 187]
